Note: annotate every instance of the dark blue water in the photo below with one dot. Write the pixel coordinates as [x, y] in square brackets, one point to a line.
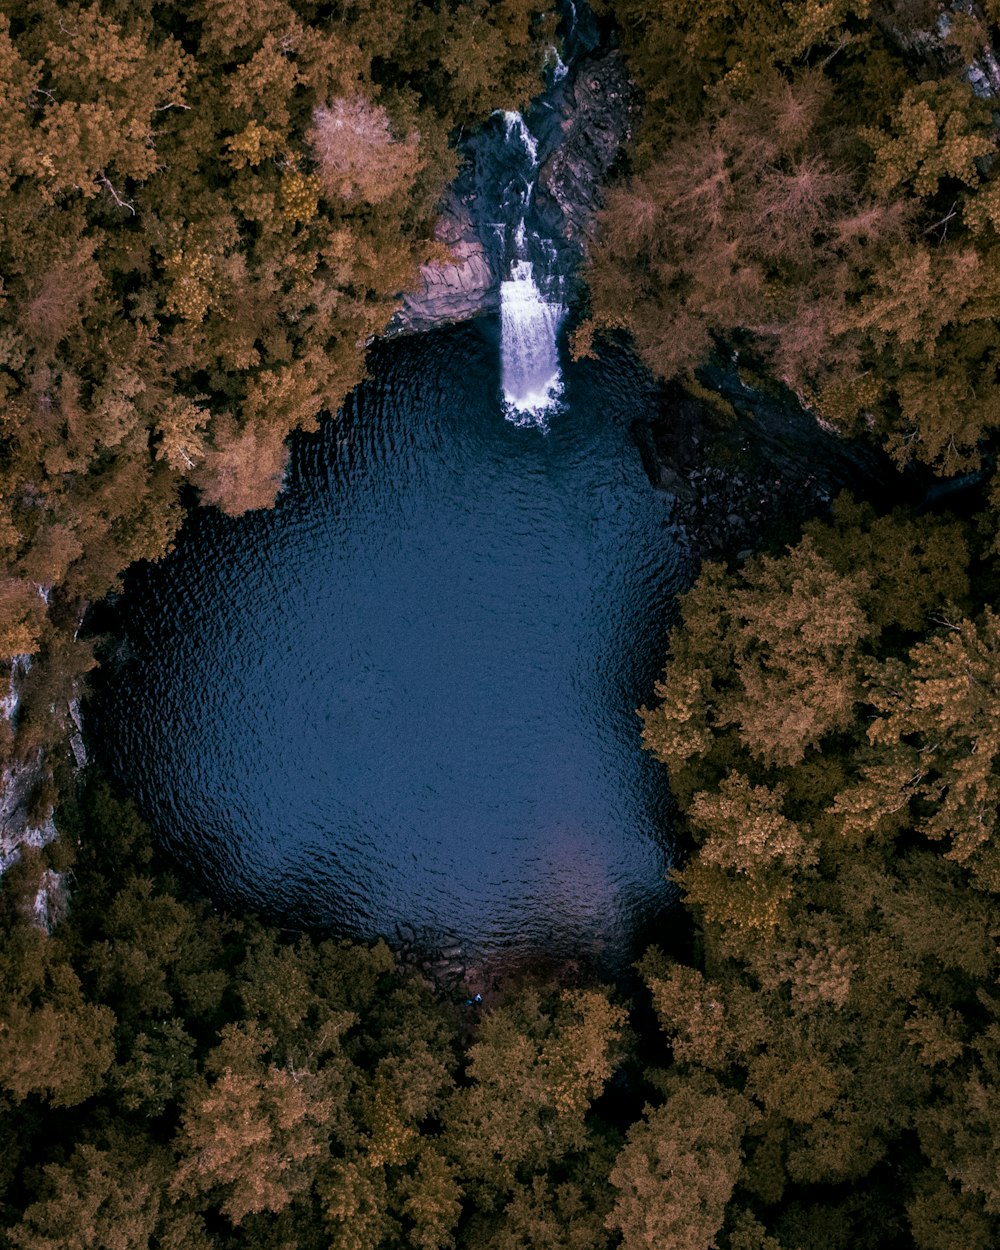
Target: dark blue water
[407, 694]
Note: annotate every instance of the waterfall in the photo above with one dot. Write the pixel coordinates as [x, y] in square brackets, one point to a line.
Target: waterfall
[529, 322]
[517, 130]
[555, 64]
[529, 329]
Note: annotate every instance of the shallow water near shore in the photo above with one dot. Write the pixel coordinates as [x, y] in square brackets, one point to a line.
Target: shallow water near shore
[405, 697]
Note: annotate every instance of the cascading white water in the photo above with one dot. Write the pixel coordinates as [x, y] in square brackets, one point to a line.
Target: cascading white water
[516, 127]
[529, 329]
[556, 64]
[529, 323]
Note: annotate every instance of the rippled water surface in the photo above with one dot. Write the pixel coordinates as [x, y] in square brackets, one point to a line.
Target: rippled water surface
[406, 696]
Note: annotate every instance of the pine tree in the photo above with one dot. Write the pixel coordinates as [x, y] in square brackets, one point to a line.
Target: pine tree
[251, 1132]
[678, 1170]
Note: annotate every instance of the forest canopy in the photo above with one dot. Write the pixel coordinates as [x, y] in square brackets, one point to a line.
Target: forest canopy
[815, 185]
[209, 211]
[207, 216]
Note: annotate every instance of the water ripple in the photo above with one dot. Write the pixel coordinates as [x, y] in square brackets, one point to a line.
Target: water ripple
[406, 695]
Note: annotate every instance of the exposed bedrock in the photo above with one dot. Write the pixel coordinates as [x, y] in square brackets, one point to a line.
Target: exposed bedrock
[581, 124]
[451, 292]
[595, 119]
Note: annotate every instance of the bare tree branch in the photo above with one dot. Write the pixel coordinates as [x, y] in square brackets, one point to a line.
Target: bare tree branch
[105, 182]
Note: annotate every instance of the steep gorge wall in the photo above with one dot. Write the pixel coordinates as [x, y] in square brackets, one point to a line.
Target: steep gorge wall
[592, 120]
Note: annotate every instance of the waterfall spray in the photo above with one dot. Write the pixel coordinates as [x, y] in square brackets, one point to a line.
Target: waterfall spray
[529, 329]
[529, 323]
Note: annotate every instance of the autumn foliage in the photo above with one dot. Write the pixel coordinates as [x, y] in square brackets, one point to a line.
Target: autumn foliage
[206, 218]
[826, 203]
[836, 770]
[357, 154]
[173, 1075]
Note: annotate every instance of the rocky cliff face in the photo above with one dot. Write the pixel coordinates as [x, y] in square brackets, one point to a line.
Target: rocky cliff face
[595, 121]
[18, 781]
[584, 122]
[933, 47]
[451, 292]
[20, 824]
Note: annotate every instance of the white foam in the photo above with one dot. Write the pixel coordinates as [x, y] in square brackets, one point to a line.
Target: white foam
[529, 333]
[515, 125]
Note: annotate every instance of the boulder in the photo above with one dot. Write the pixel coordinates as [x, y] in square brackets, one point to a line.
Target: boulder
[451, 291]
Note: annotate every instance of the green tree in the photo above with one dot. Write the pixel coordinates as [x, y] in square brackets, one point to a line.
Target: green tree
[808, 187]
[194, 260]
[53, 1042]
[109, 1199]
[938, 718]
[844, 894]
[534, 1072]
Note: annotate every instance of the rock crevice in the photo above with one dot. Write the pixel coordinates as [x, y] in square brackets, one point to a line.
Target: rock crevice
[583, 122]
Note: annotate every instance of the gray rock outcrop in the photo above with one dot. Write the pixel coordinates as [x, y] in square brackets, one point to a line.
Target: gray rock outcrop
[932, 49]
[589, 121]
[456, 291]
[595, 120]
[20, 825]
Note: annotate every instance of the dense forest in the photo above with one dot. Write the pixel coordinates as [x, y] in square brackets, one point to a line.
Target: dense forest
[206, 217]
